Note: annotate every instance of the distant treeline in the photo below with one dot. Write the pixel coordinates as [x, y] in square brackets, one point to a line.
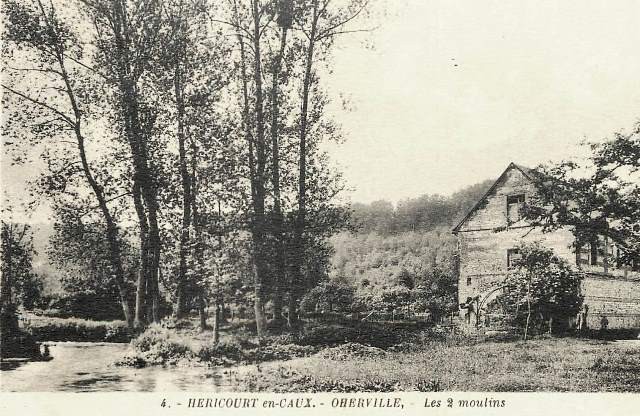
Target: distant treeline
[424, 213]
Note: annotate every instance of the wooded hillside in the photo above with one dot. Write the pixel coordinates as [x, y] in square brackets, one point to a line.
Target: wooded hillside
[403, 256]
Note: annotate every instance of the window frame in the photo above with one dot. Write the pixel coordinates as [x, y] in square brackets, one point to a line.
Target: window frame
[510, 253]
[593, 253]
[518, 201]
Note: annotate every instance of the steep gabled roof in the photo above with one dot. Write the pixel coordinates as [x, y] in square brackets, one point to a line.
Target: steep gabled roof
[529, 173]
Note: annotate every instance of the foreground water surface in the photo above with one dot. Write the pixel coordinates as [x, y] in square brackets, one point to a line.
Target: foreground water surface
[85, 366]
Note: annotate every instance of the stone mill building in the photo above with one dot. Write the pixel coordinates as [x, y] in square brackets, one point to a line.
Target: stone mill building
[487, 237]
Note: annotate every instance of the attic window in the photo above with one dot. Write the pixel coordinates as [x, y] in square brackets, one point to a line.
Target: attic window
[513, 256]
[514, 207]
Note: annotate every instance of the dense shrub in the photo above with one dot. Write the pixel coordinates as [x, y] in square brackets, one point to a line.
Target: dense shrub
[350, 351]
[245, 341]
[380, 335]
[158, 345]
[275, 352]
[14, 342]
[57, 329]
[283, 339]
[328, 296]
[407, 272]
[222, 353]
[83, 305]
[328, 335]
[541, 289]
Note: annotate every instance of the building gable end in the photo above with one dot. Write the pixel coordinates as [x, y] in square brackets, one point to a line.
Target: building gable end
[525, 172]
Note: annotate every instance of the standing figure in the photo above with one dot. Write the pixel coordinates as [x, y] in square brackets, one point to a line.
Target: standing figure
[604, 325]
[582, 319]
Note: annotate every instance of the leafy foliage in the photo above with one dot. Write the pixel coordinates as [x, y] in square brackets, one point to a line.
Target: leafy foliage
[81, 258]
[545, 282]
[73, 329]
[597, 197]
[20, 284]
[330, 296]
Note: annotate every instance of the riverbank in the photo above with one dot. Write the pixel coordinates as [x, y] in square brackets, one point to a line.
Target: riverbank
[159, 345]
[370, 357]
[184, 344]
[361, 357]
[45, 328]
[16, 344]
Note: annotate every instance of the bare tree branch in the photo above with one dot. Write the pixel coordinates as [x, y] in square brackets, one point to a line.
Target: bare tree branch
[329, 30]
[40, 103]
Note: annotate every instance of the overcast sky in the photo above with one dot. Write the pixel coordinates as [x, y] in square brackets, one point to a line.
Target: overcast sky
[455, 90]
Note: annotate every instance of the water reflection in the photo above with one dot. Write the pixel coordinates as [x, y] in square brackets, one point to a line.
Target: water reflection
[89, 367]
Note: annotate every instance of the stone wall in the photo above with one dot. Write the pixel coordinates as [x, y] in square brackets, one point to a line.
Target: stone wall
[614, 297]
[483, 255]
[492, 213]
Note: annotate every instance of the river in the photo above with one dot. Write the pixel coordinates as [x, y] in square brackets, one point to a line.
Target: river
[88, 367]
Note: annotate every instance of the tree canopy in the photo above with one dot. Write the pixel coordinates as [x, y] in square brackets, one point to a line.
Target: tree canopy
[599, 196]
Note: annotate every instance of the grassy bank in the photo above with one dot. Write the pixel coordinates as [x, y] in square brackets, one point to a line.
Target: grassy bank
[359, 357]
[566, 364]
[159, 345]
[45, 328]
[183, 343]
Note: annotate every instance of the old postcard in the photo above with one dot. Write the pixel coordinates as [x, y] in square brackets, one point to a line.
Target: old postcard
[320, 206]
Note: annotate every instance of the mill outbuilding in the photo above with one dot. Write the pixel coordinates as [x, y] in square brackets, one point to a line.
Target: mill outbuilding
[488, 237]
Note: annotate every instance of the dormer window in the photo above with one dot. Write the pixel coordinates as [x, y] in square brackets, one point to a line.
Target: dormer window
[514, 208]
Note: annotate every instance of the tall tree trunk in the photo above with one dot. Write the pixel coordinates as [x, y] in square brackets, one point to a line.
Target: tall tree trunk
[127, 73]
[193, 198]
[223, 314]
[8, 317]
[216, 322]
[112, 233]
[143, 272]
[202, 314]
[149, 194]
[112, 229]
[297, 283]
[526, 328]
[258, 179]
[278, 220]
[6, 273]
[186, 198]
